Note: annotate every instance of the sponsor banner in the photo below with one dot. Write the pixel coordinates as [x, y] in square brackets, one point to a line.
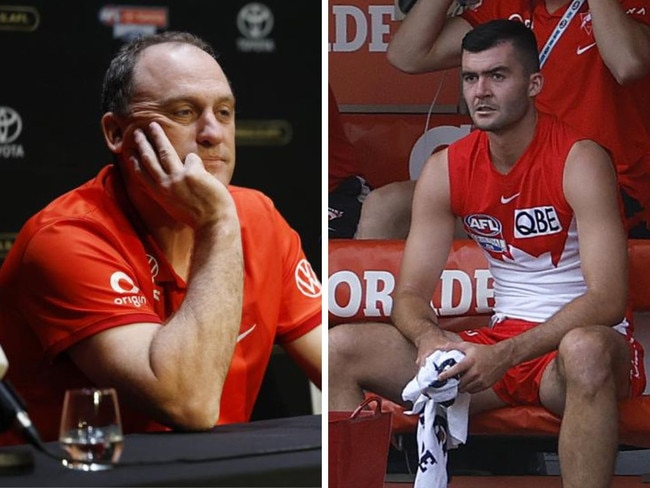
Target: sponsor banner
[22, 18]
[361, 76]
[362, 278]
[11, 127]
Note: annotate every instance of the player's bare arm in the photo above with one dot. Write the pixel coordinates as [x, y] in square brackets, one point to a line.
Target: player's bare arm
[624, 43]
[427, 39]
[424, 258]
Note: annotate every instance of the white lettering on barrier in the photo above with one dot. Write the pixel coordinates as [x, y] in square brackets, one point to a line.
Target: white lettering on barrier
[351, 19]
[379, 286]
[353, 283]
[484, 290]
[448, 279]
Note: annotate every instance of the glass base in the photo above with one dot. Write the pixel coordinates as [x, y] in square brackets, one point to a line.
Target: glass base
[82, 466]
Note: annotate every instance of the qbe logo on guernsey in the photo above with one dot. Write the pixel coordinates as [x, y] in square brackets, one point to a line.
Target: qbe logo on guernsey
[536, 221]
[11, 126]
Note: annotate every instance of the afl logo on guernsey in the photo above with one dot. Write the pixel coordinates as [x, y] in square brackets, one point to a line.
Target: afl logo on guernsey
[483, 225]
[486, 231]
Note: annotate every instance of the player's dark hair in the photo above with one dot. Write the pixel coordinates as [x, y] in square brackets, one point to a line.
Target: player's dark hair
[495, 32]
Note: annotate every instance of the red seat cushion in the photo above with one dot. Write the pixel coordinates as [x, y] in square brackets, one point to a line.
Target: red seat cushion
[634, 421]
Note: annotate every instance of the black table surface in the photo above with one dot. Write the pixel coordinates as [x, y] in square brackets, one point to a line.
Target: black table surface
[282, 452]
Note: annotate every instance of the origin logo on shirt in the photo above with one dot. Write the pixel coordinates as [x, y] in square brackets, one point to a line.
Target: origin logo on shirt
[123, 284]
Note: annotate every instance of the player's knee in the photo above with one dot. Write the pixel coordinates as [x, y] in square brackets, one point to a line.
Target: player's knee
[587, 357]
[375, 203]
[341, 339]
[386, 212]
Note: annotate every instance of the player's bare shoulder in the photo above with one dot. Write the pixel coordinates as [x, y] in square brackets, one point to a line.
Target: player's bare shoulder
[436, 165]
[587, 156]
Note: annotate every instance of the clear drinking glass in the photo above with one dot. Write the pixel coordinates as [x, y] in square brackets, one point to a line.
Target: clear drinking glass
[91, 429]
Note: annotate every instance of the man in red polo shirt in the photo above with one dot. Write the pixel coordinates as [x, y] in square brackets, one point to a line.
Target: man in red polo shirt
[157, 277]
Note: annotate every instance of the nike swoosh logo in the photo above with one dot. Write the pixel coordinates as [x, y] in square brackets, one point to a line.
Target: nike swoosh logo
[246, 332]
[580, 50]
[505, 200]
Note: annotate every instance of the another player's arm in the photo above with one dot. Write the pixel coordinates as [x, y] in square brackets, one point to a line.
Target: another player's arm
[623, 42]
[427, 39]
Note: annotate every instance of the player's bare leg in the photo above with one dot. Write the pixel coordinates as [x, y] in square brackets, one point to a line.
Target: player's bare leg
[372, 356]
[583, 385]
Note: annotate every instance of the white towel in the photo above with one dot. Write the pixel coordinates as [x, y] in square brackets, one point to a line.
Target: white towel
[443, 417]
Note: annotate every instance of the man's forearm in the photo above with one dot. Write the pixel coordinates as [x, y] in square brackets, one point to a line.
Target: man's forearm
[586, 310]
[414, 318]
[192, 352]
[411, 44]
[624, 43]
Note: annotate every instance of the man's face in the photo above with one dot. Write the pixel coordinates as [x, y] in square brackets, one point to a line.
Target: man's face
[495, 87]
[185, 90]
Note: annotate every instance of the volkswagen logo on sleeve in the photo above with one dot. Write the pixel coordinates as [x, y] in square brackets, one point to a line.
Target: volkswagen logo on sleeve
[306, 280]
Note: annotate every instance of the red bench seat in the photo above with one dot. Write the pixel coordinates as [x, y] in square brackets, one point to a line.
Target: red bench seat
[362, 276]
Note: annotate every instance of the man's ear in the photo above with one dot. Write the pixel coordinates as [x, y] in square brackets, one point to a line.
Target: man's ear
[113, 133]
[535, 85]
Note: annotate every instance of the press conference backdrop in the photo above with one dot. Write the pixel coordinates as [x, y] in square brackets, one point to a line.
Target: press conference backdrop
[55, 52]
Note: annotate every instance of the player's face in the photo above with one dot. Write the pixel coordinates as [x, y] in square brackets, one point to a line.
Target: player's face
[185, 90]
[496, 87]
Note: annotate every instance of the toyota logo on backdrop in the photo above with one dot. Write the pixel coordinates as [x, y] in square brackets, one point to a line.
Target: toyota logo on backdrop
[255, 22]
[11, 125]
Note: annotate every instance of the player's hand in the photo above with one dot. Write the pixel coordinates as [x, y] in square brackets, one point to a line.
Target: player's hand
[481, 367]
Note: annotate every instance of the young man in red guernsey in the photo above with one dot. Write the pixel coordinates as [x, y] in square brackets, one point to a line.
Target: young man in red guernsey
[158, 277]
[596, 71]
[541, 201]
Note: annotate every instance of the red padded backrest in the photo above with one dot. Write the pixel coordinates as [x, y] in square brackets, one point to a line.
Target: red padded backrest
[639, 274]
[362, 276]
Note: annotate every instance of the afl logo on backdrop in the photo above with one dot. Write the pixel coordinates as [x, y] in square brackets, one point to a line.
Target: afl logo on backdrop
[18, 18]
